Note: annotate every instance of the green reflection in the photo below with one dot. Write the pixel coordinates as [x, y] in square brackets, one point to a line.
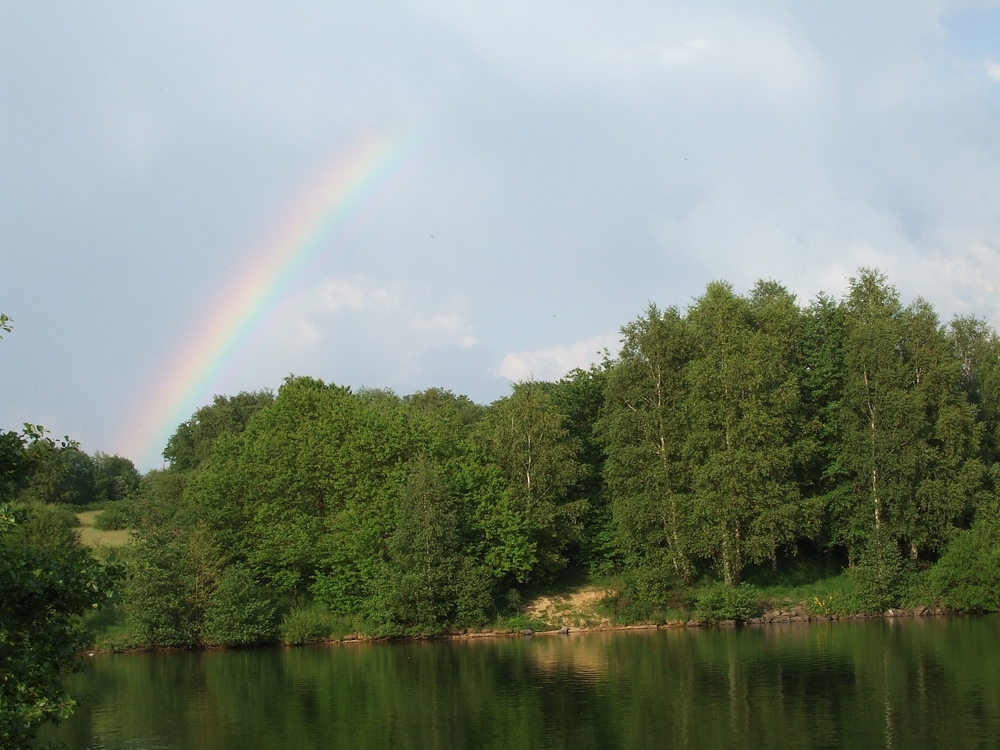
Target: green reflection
[897, 683]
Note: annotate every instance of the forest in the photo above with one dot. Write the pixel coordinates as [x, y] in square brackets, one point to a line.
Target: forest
[740, 441]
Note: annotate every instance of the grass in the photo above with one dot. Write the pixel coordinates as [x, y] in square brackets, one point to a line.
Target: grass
[99, 541]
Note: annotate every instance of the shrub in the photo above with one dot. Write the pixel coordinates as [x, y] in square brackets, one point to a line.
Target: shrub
[967, 577]
[310, 624]
[729, 603]
[241, 613]
[115, 517]
[878, 577]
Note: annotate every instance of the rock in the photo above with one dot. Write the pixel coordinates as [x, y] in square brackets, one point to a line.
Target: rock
[563, 630]
[920, 611]
[693, 624]
[527, 631]
[797, 618]
[727, 623]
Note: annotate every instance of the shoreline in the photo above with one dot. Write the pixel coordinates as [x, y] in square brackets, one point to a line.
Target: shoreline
[794, 616]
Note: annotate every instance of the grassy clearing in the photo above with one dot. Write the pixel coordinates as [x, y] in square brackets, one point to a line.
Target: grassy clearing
[822, 588]
[97, 539]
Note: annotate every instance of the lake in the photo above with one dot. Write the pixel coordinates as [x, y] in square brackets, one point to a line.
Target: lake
[904, 683]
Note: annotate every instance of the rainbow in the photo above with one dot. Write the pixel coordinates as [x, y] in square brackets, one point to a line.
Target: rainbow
[340, 197]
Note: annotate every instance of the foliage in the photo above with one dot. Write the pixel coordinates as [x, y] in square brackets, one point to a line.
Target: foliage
[115, 517]
[737, 603]
[426, 584]
[240, 611]
[742, 438]
[48, 581]
[642, 430]
[13, 463]
[967, 577]
[312, 623]
[744, 405]
[878, 577]
[191, 444]
[34, 467]
[535, 519]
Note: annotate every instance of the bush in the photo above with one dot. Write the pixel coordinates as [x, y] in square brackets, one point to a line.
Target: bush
[116, 516]
[878, 577]
[314, 623]
[241, 613]
[967, 577]
[729, 603]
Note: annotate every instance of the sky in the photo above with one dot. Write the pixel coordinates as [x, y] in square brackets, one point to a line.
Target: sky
[201, 198]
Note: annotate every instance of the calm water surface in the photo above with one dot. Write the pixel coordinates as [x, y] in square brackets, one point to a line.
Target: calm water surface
[913, 684]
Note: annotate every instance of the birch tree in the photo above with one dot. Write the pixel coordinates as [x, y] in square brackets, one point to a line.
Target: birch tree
[644, 428]
[744, 406]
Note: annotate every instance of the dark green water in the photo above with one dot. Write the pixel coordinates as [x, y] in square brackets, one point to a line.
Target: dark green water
[908, 684]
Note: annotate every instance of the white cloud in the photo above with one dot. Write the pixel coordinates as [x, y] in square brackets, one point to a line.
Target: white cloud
[992, 70]
[556, 361]
[365, 304]
[339, 293]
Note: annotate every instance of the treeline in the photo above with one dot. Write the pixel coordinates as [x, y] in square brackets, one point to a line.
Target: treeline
[34, 467]
[725, 441]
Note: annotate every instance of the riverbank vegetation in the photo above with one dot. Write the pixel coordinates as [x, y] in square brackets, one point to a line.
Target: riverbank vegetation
[743, 453]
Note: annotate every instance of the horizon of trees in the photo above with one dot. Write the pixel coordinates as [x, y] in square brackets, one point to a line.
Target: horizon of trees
[724, 439]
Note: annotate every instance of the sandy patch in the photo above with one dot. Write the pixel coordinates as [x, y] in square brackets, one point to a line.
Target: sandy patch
[576, 608]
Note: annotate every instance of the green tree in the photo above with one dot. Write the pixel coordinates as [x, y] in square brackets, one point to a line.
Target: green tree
[823, 371]
[48, 581]
[579, 397]
[115, 477]
[744, 407]
[303, 495]
[976, 347]
[58, 471]
[427, 583]
[643, 428]
[13, 463]
[532, 521]
[909, 441]
[191, 444]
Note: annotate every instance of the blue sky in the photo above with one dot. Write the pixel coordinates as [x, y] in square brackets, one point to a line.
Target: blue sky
[580, 160]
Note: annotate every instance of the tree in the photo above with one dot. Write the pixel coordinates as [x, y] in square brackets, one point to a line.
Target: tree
[909, 441]
[191, 444]
[58, 471]
[115, 477]
[427, 583]
[48, 581]
[823, 372]
[580, 396]
[532, 521]
[744, 406]
[643, 429]
[13, 463]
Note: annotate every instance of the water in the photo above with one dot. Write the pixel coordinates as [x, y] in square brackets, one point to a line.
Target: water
[909, 684]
